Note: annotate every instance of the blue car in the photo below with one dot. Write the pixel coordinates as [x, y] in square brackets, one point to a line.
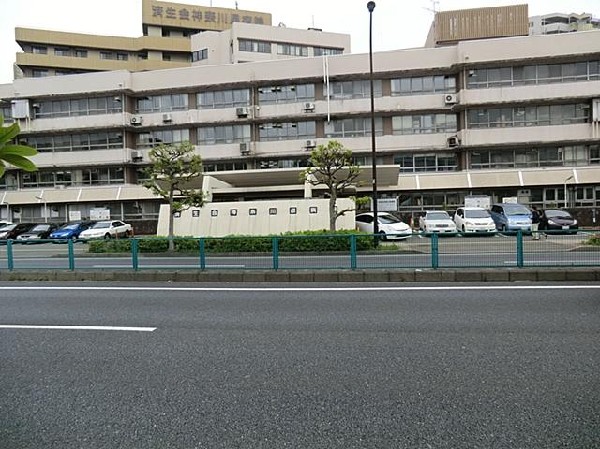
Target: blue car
[70, 231]
[511, 217]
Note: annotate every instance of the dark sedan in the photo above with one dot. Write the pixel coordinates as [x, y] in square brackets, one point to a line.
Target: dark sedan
[39, 232]
[11, 231]
[558, 220]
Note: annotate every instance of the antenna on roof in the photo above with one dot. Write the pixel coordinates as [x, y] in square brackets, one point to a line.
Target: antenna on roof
[236, 5]
[434, 6]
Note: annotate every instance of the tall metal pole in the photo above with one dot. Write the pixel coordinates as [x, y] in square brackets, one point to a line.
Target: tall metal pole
[371, 7]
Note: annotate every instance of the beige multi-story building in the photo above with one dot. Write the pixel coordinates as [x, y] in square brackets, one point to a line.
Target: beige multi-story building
[508, 117]
[165, 43]
[558, 23]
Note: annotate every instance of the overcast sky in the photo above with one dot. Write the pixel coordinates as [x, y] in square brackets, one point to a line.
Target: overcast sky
[396, 23]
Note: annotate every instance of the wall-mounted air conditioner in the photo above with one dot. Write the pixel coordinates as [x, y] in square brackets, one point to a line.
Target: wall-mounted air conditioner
[167, 118]
[310, 143]
[245, 148]
[450, 99]
[309, 107]
[241, 112]
[136, 120]
[453, 142]
[137, 156]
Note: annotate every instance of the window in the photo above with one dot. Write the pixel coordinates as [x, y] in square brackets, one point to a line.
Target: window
[167, 136]
[200, 55]
[529, 116]
[322, 51]
[286, 94]
[286, 131]
[39, 50]
[424, 124]
[353, 89]
[60, 51]
[426, 162]
[39, 73]
[292, 50]
[223, 99]
[353, 127]
[223, 134]
[162, 103]
[254, 46]
[423, 85]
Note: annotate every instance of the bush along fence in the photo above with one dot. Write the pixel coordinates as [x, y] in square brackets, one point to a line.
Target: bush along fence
[310, 250]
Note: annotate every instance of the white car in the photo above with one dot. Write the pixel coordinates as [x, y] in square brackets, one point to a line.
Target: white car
[107, 230]
[437, 221]
[474, 220]
[389, 227]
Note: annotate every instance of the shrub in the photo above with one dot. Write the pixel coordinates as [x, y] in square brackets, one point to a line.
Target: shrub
[593, 240]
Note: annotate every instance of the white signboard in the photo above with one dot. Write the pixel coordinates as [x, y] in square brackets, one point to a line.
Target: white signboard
[387, 204]
[478, 201]
[99, 214]
[510, 199]
[74, 215]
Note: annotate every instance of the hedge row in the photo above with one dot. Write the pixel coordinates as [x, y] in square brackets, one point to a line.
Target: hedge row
[308, 241]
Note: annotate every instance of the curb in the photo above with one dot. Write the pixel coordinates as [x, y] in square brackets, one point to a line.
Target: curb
[591, 274]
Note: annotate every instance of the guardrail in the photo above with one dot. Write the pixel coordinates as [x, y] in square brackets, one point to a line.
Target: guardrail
[315, 252]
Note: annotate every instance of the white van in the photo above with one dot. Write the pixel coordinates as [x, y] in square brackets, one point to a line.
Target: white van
[474, 220]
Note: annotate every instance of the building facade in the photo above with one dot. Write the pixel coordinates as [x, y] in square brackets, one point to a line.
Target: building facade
[557, 23]
[166, 42]
[510, 117]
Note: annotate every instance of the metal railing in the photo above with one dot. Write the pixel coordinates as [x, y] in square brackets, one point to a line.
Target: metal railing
[311, 252]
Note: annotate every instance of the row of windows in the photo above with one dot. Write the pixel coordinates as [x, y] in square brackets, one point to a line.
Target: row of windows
[410, 163]
[167, 136]
[162, 103]
[578, 155]
[533, 74]
[76, 142]
[416, 85]
[77, 107]
[286, 94]
[287, 131]
[424, 124]
[528, 116]
[62, 177]
[257, 46]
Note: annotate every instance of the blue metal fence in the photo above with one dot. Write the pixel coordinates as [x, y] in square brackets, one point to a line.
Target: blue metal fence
[314, 252]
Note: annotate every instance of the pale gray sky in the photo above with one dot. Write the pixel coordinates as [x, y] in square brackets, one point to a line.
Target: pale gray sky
[396, 23]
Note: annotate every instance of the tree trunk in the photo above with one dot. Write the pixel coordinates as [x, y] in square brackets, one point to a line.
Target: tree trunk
[332, 210]
[170, 237]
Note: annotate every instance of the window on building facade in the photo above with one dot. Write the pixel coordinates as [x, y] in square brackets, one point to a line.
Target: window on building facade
[292, 50]
[322, 51]
[220, 99]
[39, 73]
[162, 103]
[286, 131]
[533, 74]
[167, 136]
[80, 53]
[286, 94]
[223, 134]
[78, 106]
[63, 51]
[424, 124]
[353, 127]
[528, 116]
[103, 175]
[102, 140]
[254, 46]
[576, 155]
[200, 55]
[39, 50]
[426, 162]
[352, 89]
[422, 85]
[223, 166]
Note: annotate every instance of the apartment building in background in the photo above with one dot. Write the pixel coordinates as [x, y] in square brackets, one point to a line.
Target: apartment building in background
[165, 43]
[557, 23]
[505, 117]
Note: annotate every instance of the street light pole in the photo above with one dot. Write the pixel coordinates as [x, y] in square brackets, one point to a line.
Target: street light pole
[371, 7]
[566, 193]
[41, 198]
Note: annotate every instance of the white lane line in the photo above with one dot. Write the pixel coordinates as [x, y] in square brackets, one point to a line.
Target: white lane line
[309, 289]
[84, 328]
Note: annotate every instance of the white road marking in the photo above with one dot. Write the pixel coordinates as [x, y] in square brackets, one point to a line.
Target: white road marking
[307, 289]
[84, 328]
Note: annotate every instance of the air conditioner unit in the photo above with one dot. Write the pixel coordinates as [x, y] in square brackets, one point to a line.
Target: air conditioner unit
[245, 148]
[241, 112]
[450, 99]
[453, 142]
[308, 107]
[137, 156]
[167, 118]
[310, 144]
[136, 120]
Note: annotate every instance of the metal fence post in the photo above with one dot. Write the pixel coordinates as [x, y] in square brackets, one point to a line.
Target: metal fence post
[353, 251]
[9, 254]
[202, 254]
[435, 254]
[134, 253]
[275, 253]
[520, 248]
[71, 254]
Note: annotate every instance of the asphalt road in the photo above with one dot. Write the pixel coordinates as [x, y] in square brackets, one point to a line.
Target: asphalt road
[390, 367]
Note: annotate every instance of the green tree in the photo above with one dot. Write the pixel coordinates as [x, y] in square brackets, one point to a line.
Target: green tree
[11, 153]
[332, 166]
[174, 169]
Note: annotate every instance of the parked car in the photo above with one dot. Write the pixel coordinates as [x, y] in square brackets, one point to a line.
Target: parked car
[5, 223]
[107, 230]
[511, 217]
[70, 230]
[11, 231]
[390, 227]
[558, 220]
[474, 220]
[38, 232]
[437, 221]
